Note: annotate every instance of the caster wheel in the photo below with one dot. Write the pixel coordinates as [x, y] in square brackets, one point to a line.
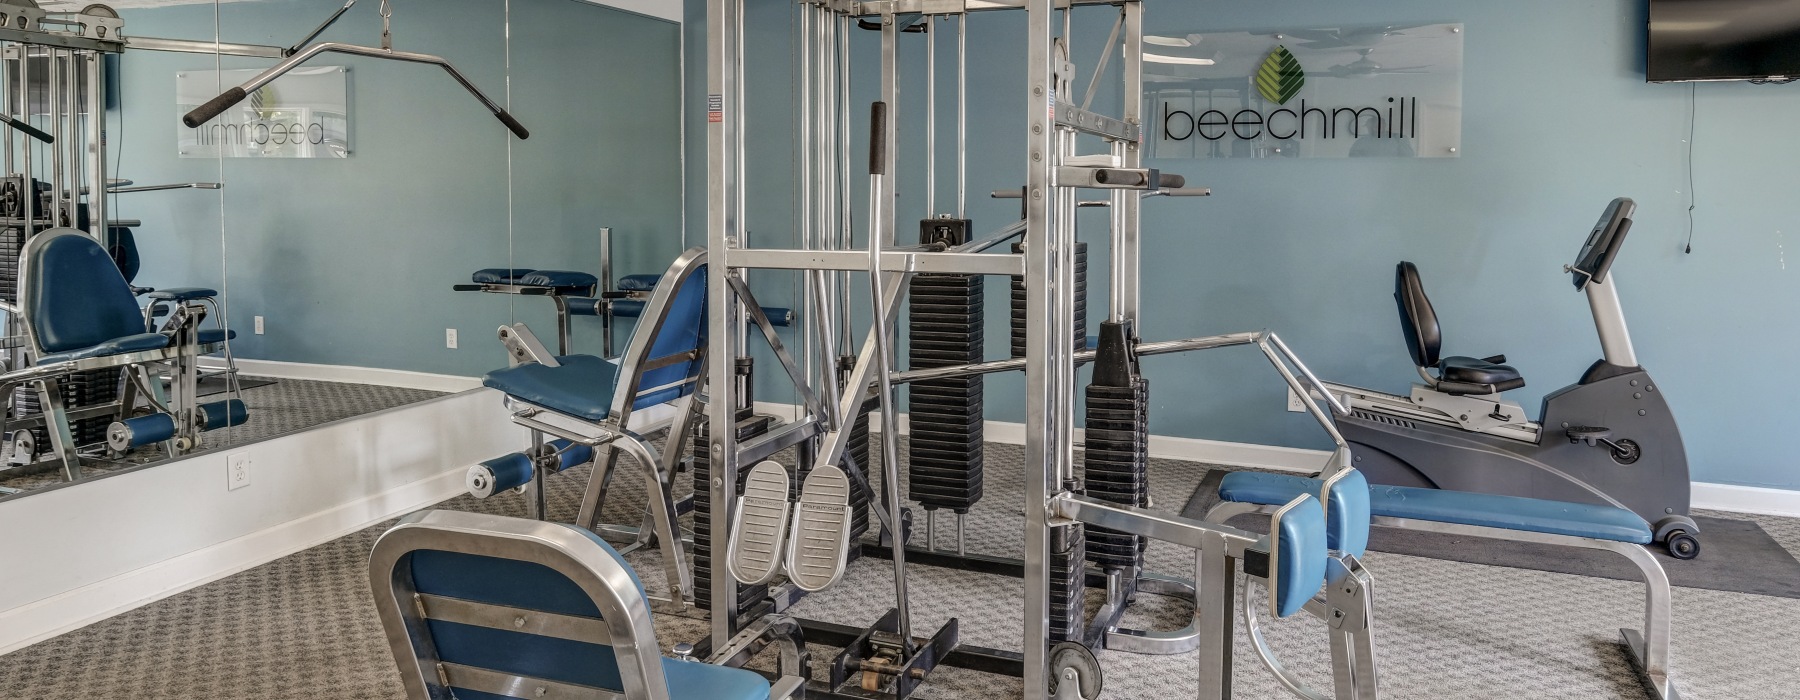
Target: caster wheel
[1070, 661]
[1683, 545]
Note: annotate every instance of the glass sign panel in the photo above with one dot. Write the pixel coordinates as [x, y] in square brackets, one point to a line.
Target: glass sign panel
[1320, 93]
[304, 114]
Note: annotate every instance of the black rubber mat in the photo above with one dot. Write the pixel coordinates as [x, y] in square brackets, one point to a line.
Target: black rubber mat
[1735, 555]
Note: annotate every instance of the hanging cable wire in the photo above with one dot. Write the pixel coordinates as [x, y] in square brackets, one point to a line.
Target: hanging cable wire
[1693, 200]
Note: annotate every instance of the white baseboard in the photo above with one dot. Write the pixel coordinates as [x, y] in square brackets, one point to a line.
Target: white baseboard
[89, 604]
[1747, 499]
[404, 379]
[1707, 496]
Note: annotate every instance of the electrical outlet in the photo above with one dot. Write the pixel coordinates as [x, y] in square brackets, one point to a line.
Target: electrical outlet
[450, 338]
[237, 471]
[259, 325]
[1295, 403]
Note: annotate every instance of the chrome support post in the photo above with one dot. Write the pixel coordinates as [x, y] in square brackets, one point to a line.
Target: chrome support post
[724, 145]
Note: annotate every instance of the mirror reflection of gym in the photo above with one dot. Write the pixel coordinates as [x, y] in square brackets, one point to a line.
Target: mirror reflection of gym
[111, 273]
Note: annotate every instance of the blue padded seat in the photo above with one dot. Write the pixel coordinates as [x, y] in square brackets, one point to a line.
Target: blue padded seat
[500, 275]
[118, 346]
[639, 283]
[216, 335]
[533, 586]
[582, 386]
[78, 303]
[182, 294]
[558, 278]
[1458, 507]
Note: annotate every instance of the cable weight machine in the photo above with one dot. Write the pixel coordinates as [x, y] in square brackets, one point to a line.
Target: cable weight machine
[1071, 523]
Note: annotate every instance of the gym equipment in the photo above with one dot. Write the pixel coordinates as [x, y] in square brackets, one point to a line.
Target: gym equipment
[292, 59]
[588, 401]
[486, 605]
[1477, 515]
[582, 294]
[888, 660]
[1608, 439]
[80, 315]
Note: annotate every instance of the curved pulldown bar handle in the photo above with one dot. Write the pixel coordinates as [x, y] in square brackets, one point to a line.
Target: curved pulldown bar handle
[26, 129]
[205, 113]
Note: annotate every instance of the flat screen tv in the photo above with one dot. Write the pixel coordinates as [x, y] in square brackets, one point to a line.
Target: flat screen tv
[1724, 40]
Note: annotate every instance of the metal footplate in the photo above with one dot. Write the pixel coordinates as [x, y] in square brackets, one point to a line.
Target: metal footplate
[754, 553]
[821, 536]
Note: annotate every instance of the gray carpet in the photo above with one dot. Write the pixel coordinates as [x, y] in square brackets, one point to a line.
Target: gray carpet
[276, 408]
[303, 626]
[1736, 555]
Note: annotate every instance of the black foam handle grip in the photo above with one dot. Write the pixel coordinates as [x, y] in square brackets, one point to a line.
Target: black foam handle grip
[518, 129]
[29, 130]
[1170, 181]
[878, 138]
[204, 113]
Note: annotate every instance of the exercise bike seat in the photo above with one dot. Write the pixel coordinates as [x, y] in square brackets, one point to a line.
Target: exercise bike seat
[1457, 375]
[1469, 370]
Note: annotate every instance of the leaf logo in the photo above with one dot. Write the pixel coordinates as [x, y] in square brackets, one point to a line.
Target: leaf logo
[1280, 77]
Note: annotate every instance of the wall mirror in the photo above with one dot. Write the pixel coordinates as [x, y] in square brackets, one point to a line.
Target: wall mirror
[345, 238]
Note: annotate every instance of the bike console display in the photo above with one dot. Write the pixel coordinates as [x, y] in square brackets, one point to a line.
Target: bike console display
[1603, 243]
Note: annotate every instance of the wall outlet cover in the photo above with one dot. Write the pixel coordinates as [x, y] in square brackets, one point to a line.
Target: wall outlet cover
[237, 471]
[259, 325]
[450, 338]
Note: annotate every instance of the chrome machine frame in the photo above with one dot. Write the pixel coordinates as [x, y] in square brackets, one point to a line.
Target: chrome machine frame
[826, 262]
[1649, 647]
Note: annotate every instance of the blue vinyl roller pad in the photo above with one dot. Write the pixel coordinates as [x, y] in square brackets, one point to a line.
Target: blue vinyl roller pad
[499, 474]
[150, 429]
[585, 306]
[1299, 552]
[220, 414]
[570, 454]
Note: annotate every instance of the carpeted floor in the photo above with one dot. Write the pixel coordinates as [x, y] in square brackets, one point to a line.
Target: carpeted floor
[277, 407]
[303, 626]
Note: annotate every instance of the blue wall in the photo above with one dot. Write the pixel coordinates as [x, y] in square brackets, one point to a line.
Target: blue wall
[351, 261]
[1557, 121]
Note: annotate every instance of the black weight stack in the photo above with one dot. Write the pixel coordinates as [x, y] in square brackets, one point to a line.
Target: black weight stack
[1068, 580]
[945, 325]
[1018, 303]
[1116, 457]
[747, 596]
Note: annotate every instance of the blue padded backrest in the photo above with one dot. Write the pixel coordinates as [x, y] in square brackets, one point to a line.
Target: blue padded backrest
[1347, 513]
[682, 330]
[519, 584]
[1298, 548]
[76, 297]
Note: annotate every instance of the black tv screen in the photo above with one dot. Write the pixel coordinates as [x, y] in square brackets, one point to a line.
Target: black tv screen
[1724, 39]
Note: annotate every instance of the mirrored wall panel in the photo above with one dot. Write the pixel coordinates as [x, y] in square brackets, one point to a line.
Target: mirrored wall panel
[304, 229]
[113, 274]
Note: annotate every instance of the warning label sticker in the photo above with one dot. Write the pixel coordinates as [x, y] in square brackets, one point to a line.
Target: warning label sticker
[715, 109]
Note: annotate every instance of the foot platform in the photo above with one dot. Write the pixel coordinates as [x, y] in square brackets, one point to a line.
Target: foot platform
[815, 557]
[754, 553]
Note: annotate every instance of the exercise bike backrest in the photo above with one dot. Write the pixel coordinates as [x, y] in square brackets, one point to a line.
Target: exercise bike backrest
[1603, 244]
[1418, 321]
